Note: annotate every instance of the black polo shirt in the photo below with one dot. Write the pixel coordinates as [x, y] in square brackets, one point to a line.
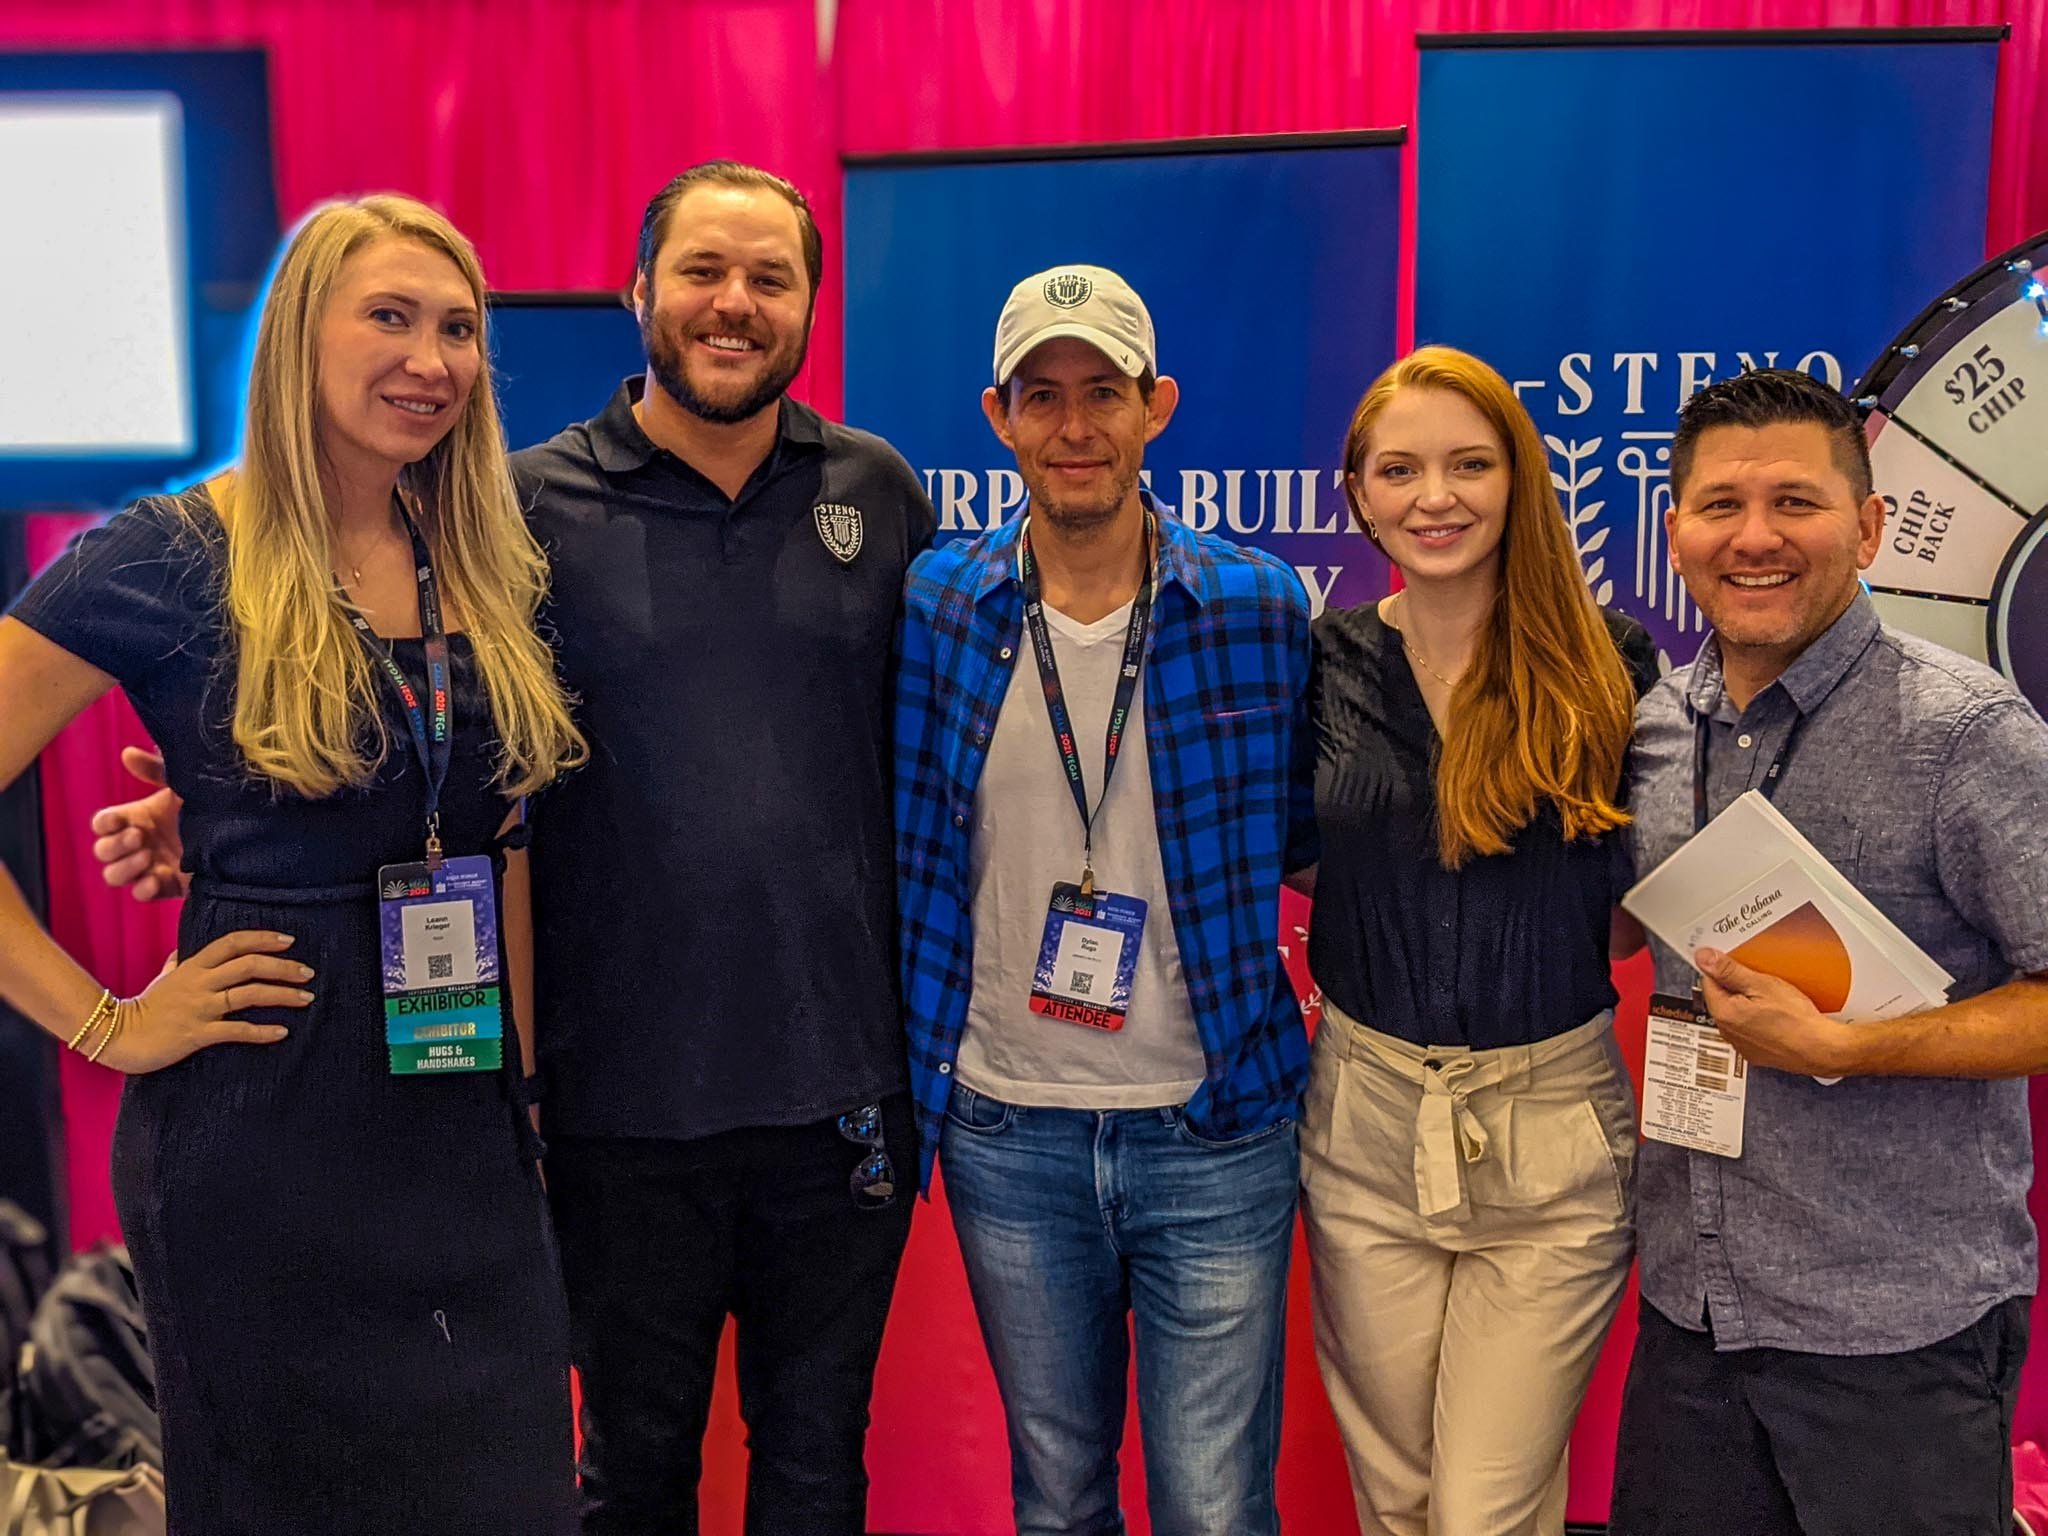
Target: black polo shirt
[715, 894]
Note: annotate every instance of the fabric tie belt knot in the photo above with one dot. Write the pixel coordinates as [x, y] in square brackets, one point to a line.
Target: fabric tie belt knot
[1448, 1135]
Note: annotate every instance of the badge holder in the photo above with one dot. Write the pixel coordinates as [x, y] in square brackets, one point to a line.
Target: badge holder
[438, 932]
[1695, 1084]
[437, 921]
[1088, 957]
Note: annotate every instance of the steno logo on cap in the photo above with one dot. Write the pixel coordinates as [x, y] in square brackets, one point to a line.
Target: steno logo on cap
[1067, 289]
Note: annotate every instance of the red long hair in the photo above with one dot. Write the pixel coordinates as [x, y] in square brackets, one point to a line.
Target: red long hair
[1544, 711]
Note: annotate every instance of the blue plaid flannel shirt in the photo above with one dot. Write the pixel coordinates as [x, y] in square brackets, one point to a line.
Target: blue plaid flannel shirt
[1232, 759]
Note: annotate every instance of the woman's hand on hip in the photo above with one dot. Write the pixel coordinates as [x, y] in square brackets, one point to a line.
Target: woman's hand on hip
[192, 1003]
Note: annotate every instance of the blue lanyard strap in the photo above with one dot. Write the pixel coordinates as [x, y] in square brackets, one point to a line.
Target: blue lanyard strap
[431, 721]
[1056, 698]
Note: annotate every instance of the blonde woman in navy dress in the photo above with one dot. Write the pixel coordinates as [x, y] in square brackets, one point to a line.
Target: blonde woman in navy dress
[348, 1278]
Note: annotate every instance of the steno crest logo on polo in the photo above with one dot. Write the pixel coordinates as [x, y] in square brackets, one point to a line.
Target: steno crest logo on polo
[840, 527]
[1067, 290]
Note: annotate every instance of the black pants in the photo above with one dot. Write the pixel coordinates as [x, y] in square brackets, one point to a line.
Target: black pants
[660, 1240]
[1774, 1442]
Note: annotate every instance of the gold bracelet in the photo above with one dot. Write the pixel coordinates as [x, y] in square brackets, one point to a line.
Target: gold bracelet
[100, 1010]
[114, 1021]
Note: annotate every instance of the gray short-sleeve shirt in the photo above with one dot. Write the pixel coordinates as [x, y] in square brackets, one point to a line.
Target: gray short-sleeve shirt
[1875, 1214]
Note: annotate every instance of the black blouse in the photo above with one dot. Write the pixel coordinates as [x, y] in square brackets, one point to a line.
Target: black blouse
[1508, 950]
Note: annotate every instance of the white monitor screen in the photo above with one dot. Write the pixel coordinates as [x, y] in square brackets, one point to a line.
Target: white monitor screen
[93, 352]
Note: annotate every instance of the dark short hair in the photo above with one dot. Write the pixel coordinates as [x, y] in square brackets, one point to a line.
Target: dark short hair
[729, 173]
[1147, 382]
[1767, 397]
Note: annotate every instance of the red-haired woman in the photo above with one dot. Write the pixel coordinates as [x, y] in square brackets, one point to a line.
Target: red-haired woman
[1469, 1136]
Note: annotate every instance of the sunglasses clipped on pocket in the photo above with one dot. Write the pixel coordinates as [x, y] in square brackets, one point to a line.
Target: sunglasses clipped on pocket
[873, 1181]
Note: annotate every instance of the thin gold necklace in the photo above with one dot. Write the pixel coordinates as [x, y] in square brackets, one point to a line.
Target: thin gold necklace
[355, 571]
[355, 574]
[1420, 660]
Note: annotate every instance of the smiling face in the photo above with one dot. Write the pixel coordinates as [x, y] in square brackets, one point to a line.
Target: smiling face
[398, 355]
[1769, 535]
[725, 306]
[1436, 480]
[1078, 425]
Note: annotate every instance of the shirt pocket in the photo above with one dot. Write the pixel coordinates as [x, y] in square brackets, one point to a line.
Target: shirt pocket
[1889, 857]
[1888, 864]
[1893, 866]
[1247, 746]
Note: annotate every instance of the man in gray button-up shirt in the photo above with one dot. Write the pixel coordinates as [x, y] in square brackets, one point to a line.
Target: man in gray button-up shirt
[1834, 1321]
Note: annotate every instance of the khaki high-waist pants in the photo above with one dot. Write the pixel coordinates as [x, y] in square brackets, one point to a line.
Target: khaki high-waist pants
[1469, 1229]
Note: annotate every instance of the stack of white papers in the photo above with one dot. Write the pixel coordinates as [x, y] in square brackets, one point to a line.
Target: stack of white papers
[1752, 886]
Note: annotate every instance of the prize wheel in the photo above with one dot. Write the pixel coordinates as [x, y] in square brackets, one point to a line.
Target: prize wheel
[1956, 411]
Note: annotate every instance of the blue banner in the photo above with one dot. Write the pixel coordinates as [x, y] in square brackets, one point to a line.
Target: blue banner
[1615, 226]
[1269, 269]
[557, 358]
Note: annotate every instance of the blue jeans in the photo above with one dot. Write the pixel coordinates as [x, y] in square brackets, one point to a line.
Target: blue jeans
[1073, 1221]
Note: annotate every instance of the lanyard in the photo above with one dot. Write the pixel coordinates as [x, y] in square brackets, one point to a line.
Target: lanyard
[432, 739]
[1768, 788]
[1056, 699]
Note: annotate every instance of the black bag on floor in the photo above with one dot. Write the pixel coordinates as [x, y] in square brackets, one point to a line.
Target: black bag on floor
[89, 1387]
[24, 1277]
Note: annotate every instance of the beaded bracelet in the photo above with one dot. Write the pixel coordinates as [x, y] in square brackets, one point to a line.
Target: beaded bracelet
[100, 1010]
[115, 1018]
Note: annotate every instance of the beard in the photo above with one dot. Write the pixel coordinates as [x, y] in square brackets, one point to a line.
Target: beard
[665, 361]
[1825, 591]
[1082, 515]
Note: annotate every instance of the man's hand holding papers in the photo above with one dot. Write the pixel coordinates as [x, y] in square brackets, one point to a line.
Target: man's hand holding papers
[1771, 1022]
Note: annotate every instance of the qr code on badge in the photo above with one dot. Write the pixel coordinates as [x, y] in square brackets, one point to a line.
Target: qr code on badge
[440, 967]
[1081, 984]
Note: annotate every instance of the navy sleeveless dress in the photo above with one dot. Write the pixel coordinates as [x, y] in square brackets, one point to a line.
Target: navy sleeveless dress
[350, 1283]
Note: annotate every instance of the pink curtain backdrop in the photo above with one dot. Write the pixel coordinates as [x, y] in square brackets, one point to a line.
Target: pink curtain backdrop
[965, 73]
[542, 126]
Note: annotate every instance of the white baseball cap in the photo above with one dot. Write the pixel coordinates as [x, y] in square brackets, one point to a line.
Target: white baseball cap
[1092, 304]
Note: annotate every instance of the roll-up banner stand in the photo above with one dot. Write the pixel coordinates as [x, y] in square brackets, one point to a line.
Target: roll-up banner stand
[1616, 220]
[557, 358]
[1268, 264]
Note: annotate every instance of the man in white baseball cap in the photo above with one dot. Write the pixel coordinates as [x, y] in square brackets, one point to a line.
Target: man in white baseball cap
[1090, 304]
[1102, 773]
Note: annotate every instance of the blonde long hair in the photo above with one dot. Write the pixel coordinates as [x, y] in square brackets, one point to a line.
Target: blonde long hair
[306, 711]
[1544, 710]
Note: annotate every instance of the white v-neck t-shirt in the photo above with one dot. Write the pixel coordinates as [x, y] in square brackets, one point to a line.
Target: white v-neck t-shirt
[1027, 837]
